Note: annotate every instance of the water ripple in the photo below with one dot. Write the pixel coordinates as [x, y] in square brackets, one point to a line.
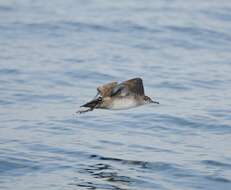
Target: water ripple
[216, 164]
[53, 56]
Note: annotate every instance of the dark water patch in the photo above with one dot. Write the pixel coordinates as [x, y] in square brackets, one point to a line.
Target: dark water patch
[216, 164]
[195, 146]
[88, 26]
[204, 38]
[5, 8]
[73, 60]
[218, 179]
[5, 71]
[61, 28]
[144, 46]
[172, 86]
[181, 43]
[222, 15]
[111, 142]
[57, 150]
[98, 167]
[207, 84]
[196, 123]
[119, 59]
[54, 29]
[174, 125]
[215, 127]
[87, 121]
[6, 57]
[29, 98]
[16, 166]
[152, 148]
[95, 76]
[68, 121]
[156, 166]
[120, 186]
[200, 32]
[4, 83]
[220, 113]
[115, 177]
[6, 102]
[91, 185]
[135, 28]
[52, 129]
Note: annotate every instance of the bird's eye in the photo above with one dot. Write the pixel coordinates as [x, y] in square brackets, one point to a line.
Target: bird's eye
[100, 98]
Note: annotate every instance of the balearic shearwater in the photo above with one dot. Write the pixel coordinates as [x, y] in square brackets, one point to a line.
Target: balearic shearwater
[124, 95]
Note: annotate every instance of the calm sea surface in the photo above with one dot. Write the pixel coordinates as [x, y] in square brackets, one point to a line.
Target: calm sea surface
[53, 55]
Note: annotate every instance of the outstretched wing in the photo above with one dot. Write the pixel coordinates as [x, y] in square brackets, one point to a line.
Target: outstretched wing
[129, 88]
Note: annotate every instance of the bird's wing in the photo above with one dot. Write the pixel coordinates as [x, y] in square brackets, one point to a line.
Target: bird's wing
[129, 88]
[106, 90]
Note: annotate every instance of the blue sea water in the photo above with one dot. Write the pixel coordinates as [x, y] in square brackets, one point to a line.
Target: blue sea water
[53, 55]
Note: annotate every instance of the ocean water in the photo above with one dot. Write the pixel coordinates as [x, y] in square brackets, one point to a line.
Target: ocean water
[53, 55]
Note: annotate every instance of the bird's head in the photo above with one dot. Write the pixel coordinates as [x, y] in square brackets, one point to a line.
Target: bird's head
[95, 103]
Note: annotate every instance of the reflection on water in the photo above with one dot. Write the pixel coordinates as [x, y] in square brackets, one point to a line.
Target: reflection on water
[53, 56]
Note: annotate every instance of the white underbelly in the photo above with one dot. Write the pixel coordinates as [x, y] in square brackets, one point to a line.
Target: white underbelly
[123, 103]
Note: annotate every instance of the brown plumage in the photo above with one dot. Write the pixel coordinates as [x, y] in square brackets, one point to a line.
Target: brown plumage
[112, 95]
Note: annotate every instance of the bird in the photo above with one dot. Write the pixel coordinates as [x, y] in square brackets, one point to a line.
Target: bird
[116, 96]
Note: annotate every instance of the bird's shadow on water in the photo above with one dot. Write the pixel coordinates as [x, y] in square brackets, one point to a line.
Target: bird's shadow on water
[118, 174]
[101, 176]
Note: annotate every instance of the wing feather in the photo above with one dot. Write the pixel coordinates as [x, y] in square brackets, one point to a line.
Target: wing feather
[129, 88]
[106, 90]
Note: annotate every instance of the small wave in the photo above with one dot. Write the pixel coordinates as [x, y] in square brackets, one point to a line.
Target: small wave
[216, 163]
[91, 185]
[5, 71]
[218, 179]
[16, 166]
[196, 123]
[80, 75]
[5, 102]
[202, 32]
[156, 166]
[222, 15]
[6, 8]
[28, 98]
[173, 86]
[109, 174]
[58, 27]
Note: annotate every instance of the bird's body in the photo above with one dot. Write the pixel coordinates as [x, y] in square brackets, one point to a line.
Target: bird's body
[124, 95]
[120, 103]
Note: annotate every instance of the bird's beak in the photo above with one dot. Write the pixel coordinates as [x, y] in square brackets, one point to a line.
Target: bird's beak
[91, 104]
[155, 102]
